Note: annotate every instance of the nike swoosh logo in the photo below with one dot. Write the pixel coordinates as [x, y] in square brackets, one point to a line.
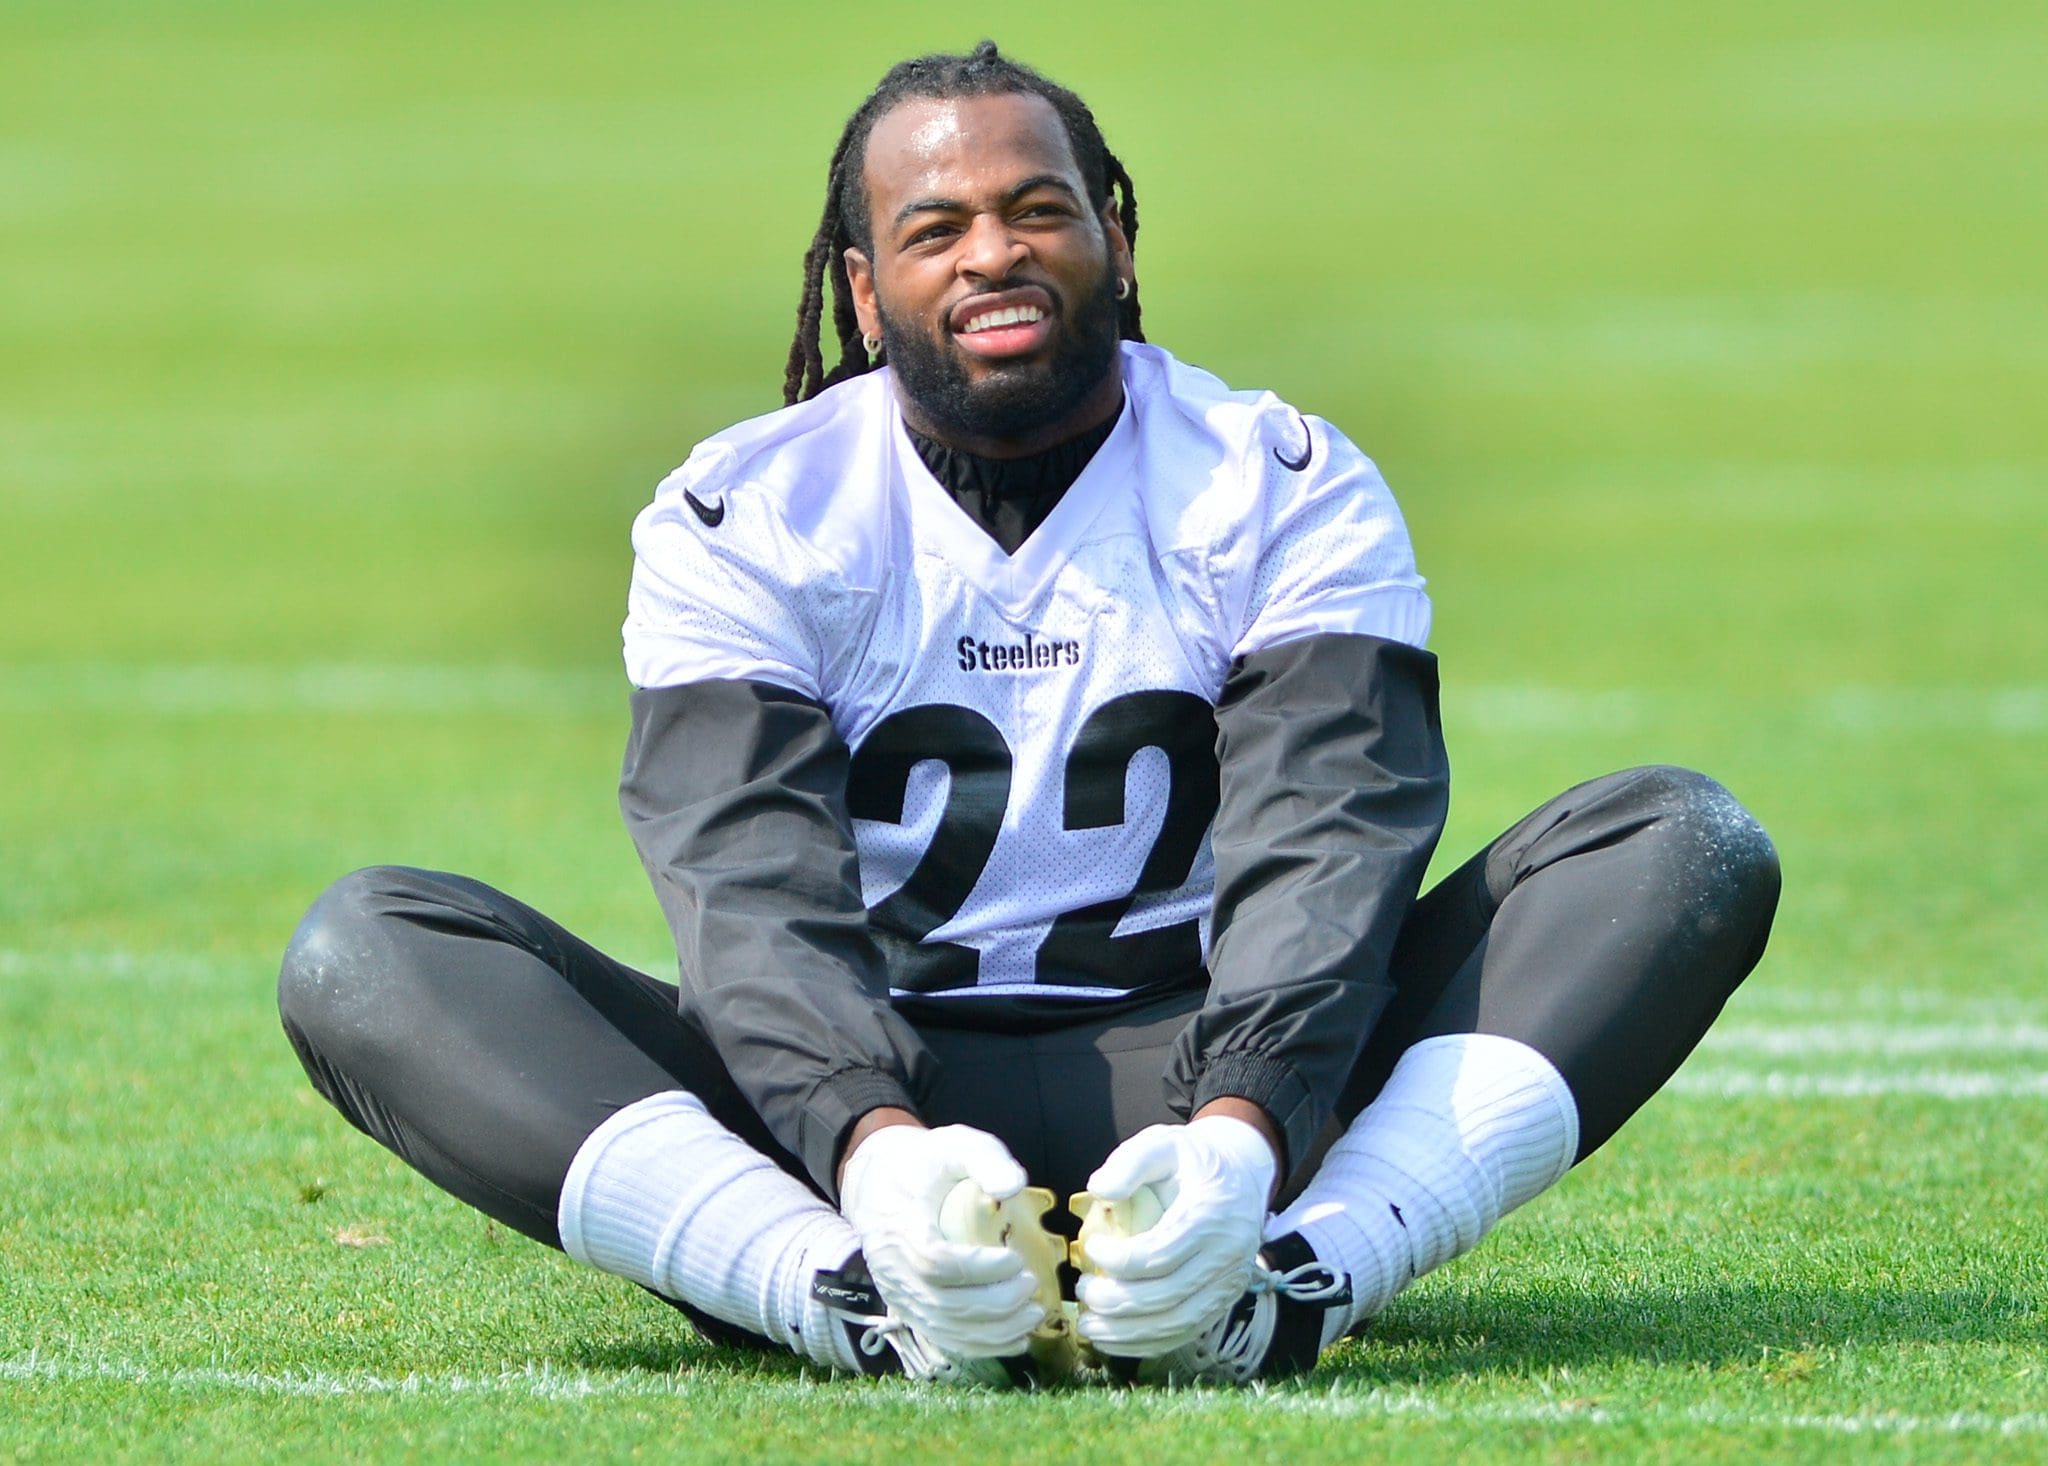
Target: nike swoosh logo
[1308, 450]
[713, 516]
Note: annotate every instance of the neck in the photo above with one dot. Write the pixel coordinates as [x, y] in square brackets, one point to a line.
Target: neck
[1097, 408]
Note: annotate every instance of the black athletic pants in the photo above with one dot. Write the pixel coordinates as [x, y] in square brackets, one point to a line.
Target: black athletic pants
[483, 1043]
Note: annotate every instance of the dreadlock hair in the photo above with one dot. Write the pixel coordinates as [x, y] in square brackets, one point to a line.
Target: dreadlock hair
[845, 225]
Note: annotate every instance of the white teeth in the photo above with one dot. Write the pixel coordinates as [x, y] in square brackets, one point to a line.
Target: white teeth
[1009, 316]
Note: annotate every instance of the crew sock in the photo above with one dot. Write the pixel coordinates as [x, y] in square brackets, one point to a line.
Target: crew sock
[663, 1194]
[1468, 1127]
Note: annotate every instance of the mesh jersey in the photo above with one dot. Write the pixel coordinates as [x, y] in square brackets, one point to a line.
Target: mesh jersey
[1034, 767]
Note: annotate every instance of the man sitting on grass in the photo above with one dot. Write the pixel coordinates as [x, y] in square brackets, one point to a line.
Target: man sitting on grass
[1035, 754]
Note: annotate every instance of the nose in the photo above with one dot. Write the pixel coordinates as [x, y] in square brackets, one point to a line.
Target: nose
[991, 249]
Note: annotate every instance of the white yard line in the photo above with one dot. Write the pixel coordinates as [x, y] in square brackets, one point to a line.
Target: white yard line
[1812, 1021]
[1997, 1029]
[1881, 1000]
[551, 1384]
[1795, 1040]
[2016, 711]
[1800, 1046]
[336, 687]
[1924, 1083]
[406, 688]
[119, 965]
[114, 964]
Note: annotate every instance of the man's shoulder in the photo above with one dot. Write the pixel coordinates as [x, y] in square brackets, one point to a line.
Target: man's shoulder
[1292, 520]
[782, 452]
[1243, 455]
[1196, 397]
[798, 492]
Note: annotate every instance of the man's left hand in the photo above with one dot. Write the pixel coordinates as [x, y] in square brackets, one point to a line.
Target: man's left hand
[1159, 1289]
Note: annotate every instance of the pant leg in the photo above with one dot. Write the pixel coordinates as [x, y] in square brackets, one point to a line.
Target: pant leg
[481, 1041]
[1605, 930]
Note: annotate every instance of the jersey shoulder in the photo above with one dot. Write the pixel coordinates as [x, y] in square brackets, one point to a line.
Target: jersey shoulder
[1238, 460]
[1279, 521]
[807, 482]
[763, 548]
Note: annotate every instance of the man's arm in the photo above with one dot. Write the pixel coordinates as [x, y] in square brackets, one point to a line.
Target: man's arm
[1335, 785]
[735, 794]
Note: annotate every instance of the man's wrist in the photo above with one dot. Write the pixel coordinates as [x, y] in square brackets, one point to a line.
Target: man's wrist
[1254, 1115]
[880, 1118]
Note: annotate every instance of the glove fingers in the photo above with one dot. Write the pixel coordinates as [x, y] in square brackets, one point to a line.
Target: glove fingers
[1153, 1254]
[984, 1160]
[1149, 1157]
[1203, 1292]
[971, 1322]
[950, 1265]
[1181, 1237]
[994, 1306]
[988, 1341]
[1129, 1328]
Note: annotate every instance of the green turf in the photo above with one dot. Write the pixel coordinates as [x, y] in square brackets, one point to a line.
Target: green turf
[339, 344]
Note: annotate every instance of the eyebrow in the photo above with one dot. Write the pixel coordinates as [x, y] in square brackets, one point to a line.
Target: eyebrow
[944, 206]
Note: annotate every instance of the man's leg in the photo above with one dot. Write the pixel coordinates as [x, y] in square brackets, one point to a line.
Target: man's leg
[1545, 990]
[560, 1092]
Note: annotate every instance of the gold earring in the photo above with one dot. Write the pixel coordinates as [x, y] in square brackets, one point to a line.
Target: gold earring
[873, 344]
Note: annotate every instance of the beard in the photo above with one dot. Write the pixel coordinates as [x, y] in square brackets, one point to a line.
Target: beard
[1012, 399]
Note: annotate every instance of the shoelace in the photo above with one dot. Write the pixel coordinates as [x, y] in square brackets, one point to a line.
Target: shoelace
[1296, 1282]
[1307, 1282]
[875, 1337]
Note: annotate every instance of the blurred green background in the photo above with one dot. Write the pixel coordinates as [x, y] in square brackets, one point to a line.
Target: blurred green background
[1705, 347]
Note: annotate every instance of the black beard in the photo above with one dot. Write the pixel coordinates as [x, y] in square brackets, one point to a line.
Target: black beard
[1017, 400]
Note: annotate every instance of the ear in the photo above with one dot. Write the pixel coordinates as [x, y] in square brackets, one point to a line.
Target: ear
[860, 274]
[1119, 247]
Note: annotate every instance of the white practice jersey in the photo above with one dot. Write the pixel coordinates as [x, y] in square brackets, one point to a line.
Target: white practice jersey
[1033, 737]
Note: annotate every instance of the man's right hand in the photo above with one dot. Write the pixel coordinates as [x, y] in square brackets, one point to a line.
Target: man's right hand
[969, 1302]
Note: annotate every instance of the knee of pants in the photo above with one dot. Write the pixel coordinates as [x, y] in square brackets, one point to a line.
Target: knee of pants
[1712, 849]
[335, 985]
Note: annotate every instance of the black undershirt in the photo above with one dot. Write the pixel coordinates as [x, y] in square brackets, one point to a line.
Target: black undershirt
[1009, 497]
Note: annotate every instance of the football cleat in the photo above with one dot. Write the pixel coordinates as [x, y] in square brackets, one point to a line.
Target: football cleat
[1100, 1216]
[1274, 1329]
[885, 1343]
[854, 1307]
[971, 1215]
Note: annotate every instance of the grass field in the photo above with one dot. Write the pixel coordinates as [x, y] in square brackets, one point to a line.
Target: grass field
[339, 344]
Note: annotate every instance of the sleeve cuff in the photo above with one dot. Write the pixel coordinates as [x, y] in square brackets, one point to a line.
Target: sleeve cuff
[1274, 1087]
[838, 1101]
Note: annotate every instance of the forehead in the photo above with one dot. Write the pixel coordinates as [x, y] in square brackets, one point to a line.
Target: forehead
[957, 147]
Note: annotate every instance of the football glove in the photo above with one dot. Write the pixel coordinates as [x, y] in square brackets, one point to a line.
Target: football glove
[1147, 1292]
[966, 1301]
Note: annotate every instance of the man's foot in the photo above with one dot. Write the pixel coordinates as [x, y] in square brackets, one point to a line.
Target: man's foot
[882, 1343]
[971, 1215]
[1274, 1329]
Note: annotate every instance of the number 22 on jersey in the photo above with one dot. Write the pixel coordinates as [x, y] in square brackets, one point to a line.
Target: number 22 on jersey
[1082, 948]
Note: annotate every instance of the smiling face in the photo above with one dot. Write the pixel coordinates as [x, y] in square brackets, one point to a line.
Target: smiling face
[991, 279]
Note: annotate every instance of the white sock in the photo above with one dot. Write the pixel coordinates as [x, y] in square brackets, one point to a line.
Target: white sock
[1469, 1127]
[663, 1194]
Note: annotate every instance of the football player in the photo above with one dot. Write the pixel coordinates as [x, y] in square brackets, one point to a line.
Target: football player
[1036, 754]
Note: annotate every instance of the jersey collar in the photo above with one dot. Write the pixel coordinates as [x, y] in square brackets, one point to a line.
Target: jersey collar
[942, 527]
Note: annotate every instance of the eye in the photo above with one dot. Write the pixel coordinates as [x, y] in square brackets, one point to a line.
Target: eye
[929, 233]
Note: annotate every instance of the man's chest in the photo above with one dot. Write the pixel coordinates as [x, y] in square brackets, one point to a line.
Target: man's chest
[1033, 775]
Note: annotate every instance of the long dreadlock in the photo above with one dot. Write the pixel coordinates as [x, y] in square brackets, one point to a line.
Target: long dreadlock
[845, 224]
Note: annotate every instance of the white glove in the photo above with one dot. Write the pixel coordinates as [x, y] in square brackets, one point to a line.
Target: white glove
[1153, 1291]
[967, 1302]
